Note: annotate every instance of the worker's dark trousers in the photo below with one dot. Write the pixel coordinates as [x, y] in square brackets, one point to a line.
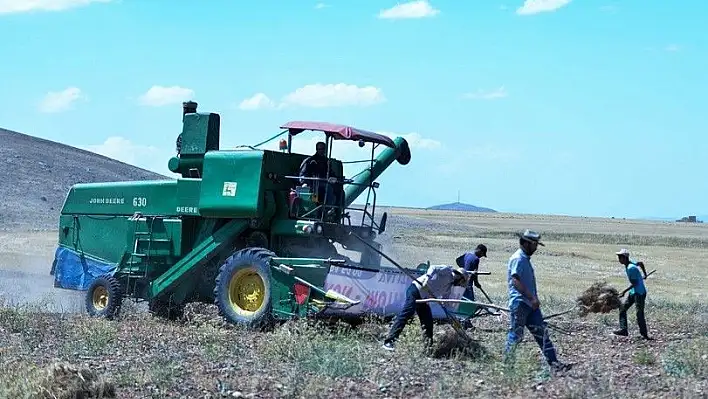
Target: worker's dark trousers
[325, 193]
[406, 313]
[522, 316]
[469, 292]
[641, 321]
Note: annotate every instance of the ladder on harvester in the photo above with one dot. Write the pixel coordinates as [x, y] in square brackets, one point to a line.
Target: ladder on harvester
[137, 257]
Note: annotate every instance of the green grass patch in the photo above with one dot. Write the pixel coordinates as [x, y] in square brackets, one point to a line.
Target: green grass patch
[19, 380]
[422, 238]
[338, 353]
[687, 358]
[644, 357]
[607, 239]
[90, 337]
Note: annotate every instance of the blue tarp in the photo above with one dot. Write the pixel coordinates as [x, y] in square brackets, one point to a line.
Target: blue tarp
[76, 272]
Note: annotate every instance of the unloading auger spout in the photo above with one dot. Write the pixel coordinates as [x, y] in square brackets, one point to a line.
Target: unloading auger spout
[364, 179]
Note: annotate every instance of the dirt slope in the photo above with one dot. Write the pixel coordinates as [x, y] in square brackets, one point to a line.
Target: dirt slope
[37, 174]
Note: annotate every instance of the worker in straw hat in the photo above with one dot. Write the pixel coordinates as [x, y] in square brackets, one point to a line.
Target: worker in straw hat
[438, 280]
[637, 294]
[524, 306]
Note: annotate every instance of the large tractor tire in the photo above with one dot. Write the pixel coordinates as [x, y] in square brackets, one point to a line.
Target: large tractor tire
[243, 288]
[104, 297]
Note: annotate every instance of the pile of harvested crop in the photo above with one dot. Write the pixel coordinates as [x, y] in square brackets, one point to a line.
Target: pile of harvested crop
[599, 298]
[452, 344]
[64, 381]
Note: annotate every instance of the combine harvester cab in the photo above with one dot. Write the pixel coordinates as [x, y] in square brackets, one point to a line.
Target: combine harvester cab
[239, 228]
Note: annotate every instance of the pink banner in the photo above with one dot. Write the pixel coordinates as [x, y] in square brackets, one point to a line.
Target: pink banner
[381, 293]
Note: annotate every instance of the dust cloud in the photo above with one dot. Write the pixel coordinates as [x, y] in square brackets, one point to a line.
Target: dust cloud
[388, 248]
[25, 281]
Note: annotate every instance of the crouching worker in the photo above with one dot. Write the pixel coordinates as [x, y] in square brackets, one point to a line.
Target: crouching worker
[439, 279]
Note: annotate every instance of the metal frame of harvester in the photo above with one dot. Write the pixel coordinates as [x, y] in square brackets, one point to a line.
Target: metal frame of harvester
[237, 229]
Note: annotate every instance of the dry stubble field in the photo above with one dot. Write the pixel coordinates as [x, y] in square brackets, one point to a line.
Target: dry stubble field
[139, 356]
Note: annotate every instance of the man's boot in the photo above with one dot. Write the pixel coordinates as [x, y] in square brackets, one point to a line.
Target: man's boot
[621, 332]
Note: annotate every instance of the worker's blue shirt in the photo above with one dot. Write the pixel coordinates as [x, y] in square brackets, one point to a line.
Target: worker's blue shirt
[520, 265]
[634, 273]
[470, 262]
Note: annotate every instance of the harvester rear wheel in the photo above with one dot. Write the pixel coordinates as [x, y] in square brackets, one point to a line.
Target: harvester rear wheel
[242, 292]
[104, 297]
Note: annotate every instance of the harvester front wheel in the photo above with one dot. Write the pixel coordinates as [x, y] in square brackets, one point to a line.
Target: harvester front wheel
[242, 292]
[104, 297]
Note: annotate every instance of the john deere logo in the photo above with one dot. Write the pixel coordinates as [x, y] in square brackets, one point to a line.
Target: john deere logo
[229, 189]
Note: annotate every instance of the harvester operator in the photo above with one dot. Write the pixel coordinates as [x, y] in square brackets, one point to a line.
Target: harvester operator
[439, 279]
[316, 166]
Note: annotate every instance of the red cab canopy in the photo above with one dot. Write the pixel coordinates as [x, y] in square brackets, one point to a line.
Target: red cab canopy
[338, 132]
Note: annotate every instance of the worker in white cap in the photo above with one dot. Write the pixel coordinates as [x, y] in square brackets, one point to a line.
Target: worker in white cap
[637, 294]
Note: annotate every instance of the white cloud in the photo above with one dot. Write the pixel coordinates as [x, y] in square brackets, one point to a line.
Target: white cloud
[488, 95]
[318, 96]
[58, 101]
[257, 101]
[412, 9]
[158, 96]
[538, 6]
[415, 140]
[18, 6]
[671, 48]
[334, 95]
[459, 161]
[143, 156]
[491, 152]
[321, 5]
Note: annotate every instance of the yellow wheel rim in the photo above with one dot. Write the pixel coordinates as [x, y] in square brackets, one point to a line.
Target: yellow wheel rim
[246, 291]
[100, 298]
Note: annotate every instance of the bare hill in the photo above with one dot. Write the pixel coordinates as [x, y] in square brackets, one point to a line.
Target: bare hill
[459, 206]
[38, 173]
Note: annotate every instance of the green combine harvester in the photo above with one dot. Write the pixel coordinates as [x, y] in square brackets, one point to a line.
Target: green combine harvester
[243, 229]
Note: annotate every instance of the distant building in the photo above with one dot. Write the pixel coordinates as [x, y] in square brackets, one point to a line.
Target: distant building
[689, 219]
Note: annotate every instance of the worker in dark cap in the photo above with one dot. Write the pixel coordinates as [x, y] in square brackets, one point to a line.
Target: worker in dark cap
[470, 262]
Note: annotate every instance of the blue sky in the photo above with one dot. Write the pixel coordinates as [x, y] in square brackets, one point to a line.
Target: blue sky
[591, 108]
